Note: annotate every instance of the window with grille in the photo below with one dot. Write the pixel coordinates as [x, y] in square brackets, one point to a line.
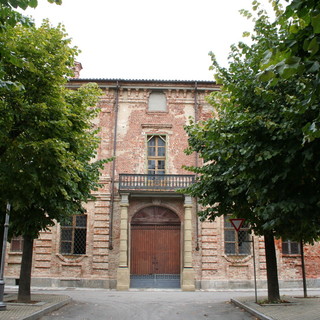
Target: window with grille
[236, 242]
[156, 154]
[74, 235]
[16, 244]
[290, 247]
[157, 101]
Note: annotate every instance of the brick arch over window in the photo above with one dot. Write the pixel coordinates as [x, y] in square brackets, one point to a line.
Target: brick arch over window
[155, 215]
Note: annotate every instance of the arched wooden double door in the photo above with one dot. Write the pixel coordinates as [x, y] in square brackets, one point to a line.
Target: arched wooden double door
[155, 248]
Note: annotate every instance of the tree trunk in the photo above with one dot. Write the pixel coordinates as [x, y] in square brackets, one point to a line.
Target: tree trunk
[24, 294]
[272, 272]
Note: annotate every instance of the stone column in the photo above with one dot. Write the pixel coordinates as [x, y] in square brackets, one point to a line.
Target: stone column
[123, 274]
[188, 276]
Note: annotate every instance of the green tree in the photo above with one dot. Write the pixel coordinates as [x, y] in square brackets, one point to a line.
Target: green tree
[257, 164]
[298, 55]
[9, 17]
[47, 142]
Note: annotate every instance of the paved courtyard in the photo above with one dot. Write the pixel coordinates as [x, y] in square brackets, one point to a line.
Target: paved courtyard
[96, 304]
[149, 305]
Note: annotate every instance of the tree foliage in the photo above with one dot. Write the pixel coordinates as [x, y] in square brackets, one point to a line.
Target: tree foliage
[257, 162]
[47, 141]
[261, 153]
[9, 17]
[298, 56]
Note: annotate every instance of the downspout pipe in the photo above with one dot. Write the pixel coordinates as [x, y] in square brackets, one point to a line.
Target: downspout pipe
[113, 170]
[196, 118]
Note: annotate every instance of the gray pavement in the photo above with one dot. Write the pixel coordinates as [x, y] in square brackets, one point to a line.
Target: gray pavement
[295, 308]
[149, 305]
[85, 304]
[41, 305]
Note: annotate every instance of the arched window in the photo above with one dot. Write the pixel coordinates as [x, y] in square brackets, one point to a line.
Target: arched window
[157, 101]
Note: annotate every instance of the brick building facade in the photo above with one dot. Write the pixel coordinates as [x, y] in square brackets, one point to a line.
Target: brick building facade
[139, 231]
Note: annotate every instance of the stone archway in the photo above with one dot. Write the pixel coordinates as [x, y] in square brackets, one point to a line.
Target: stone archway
[155, 248]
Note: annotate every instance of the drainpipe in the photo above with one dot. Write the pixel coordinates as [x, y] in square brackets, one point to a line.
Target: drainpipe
[196, 118]
[116, 107]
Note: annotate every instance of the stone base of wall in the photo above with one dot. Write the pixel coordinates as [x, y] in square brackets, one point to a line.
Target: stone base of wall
[249, 284]
[200, 284]
[69, 283]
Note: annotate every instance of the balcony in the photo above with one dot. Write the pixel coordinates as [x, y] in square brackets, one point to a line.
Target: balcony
[154, 182]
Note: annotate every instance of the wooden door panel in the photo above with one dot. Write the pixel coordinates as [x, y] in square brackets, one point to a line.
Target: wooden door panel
[155, 249]
[167, 249]
[142, 249]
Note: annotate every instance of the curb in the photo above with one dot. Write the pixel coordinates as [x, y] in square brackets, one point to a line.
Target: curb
[250, 310]
[47, 310]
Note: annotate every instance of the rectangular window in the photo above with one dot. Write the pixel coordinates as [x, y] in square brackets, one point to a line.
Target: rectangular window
[290, 247]
[156, 156]
[236, 243]
[74, 235]
[16, 244]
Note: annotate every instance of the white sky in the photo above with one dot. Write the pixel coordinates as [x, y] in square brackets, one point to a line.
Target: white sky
[147, 39]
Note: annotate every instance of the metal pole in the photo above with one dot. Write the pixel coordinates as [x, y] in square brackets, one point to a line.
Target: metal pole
[303, 271]
[254, 271]
[4, 246]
